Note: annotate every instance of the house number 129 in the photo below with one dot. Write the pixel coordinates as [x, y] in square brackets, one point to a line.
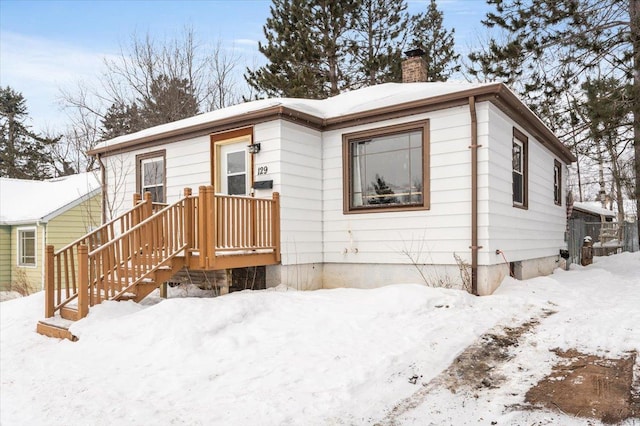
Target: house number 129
[262, 170]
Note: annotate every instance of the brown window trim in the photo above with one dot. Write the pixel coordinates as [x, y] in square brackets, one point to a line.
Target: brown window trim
[422, 125]
[558, 202]
[155, 154]
[517, 134]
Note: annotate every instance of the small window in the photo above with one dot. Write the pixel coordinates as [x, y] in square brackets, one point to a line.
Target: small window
[557, 182]
[27, 247]
[151, 175]
[519, 167]
[387, 169]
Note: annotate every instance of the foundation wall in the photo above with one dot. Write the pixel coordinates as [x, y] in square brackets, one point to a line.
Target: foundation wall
[337, 275]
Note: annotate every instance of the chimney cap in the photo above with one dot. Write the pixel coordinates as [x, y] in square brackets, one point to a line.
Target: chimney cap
[413, 53]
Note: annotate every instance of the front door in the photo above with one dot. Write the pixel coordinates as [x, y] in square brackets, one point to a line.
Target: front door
[231, 163]
[234, 169]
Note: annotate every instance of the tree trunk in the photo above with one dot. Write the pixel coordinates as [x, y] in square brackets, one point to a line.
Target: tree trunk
[617, 179]
[634, 15]
[602, 195]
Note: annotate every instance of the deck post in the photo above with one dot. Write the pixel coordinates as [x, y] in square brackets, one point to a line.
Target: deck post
[49, 283]
[202, 225]
[136, 219]
[148, 205]
[188, 225]
[83, 281]
[211, 226]
[275, 226]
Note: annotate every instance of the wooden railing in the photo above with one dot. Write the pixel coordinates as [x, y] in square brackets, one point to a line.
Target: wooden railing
[61, 267]
[114, 258]
[116, 267]
[235, 224]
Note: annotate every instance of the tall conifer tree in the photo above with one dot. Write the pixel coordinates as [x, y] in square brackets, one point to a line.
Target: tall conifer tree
[307, 49]
[555, 44]
[380, 30]
[23, 154]
[430, 35]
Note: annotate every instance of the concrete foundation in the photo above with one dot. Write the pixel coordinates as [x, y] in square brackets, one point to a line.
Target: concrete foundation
[357, 275]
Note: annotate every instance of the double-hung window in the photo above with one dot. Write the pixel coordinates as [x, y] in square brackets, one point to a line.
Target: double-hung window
[151, 175]
[387, 169]
[27, 246]
[557, 182]
[520, 169]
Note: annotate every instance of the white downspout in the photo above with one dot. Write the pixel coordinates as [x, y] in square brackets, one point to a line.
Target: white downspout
[43, 250]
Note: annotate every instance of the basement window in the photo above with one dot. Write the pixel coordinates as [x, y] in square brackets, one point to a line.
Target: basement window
[387, 169]
[27, 247]
[150, 175]
[520, 169]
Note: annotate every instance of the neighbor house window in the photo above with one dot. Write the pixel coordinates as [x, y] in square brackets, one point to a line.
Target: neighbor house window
[27, 247]
[519, 160]
[557, 182]
[387, 168]
[150, 175]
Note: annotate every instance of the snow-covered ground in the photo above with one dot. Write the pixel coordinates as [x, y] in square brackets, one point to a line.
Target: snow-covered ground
[327, 357]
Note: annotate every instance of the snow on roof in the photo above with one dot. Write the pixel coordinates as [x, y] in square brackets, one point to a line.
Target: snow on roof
[356, 101]
[27, 201]
[593, 207]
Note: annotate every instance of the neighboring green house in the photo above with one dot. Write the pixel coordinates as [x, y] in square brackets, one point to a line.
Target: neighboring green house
[34, 214]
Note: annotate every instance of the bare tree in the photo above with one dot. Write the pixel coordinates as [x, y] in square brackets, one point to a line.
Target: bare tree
[161, 80]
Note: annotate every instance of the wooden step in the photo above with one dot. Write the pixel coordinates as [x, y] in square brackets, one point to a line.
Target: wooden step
[57, 328]
[69, 313]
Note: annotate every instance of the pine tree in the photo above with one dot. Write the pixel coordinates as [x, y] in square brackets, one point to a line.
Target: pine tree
[23, 154]
[120, 119]
[170, 99]
[555, 44]
[606, 110]
[307, 49]
[437, 43]
[379, 33]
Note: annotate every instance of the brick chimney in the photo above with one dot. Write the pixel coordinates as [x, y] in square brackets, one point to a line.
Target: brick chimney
[414, 68]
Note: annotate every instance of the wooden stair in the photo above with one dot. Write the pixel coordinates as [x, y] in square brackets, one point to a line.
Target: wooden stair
[130, 256]
[58, 326]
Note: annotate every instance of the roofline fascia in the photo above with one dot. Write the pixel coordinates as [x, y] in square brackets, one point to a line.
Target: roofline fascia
[33, 222]
[81, 199]
[497, 93]
[203, 129]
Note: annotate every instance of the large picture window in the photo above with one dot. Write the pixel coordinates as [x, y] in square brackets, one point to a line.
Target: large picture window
[27, 246]
[519, 166]
[150, 175]
[557, 183]
[387, 168]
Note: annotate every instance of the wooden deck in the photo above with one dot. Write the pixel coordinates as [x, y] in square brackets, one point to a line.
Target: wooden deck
[132, 255]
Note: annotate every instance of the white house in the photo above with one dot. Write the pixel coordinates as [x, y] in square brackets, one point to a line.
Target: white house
[385, 184]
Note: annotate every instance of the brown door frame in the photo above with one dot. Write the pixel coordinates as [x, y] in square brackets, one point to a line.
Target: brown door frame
[224, 138]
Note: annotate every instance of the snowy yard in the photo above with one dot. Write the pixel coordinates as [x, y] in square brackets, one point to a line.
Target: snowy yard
[327, 357]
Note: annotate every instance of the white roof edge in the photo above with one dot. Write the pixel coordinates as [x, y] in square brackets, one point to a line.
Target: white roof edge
[81, 199]
[341, 104]
[593, 209]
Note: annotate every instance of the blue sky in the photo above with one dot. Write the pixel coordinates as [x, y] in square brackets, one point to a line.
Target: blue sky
[49, 45]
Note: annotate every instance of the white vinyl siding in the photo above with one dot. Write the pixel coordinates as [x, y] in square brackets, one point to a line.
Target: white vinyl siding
[430, 235]
[294, 161]
[520, 234]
